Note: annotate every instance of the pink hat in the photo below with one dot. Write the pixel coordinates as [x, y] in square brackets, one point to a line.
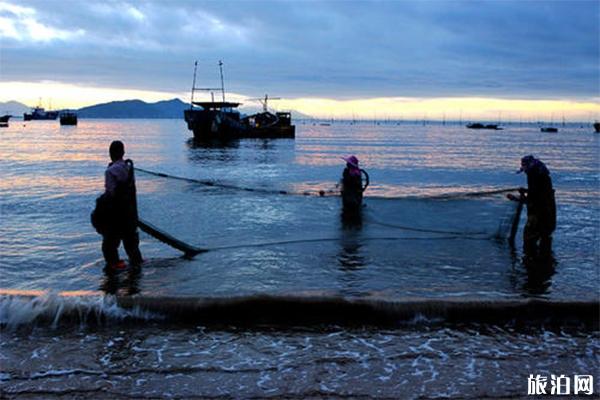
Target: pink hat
[352, 160]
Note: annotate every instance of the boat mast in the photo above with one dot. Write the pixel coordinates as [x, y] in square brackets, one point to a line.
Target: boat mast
[193, 85]
[222, 85]
[264, 101]
[212, 95]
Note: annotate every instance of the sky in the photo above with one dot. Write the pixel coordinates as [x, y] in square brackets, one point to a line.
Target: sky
[364, 59]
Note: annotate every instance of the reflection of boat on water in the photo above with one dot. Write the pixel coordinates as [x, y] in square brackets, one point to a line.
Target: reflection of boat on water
[221, 120]
[548, 129]
[478, 125]
[597, 127]
[38, 113]
[68, 118]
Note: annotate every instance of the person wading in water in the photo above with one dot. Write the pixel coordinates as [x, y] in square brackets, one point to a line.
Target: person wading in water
[352, 186]
[120, 217]
[541, 207]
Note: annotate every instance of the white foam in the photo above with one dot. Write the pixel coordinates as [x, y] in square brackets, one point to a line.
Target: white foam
[63, 372]
[17, 311]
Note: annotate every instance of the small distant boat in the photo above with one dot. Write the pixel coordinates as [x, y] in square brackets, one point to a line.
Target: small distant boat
[478, 125]
[4, 120]
[549, 129]
[220, 120]
[68, 118]
[38, 113]
[597, 127]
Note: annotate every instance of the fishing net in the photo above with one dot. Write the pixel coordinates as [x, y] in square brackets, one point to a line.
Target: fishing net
[222, 215]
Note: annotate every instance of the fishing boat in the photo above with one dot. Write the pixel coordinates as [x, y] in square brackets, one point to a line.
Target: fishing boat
[68, 118]
[4, 120]
[38, 113]
[221, 120]
[549, 129]
[597, 127]
[478, 125]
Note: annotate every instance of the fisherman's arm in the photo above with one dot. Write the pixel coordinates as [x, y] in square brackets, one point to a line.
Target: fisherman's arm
[367, 180]
[522, 195]
[110, 183]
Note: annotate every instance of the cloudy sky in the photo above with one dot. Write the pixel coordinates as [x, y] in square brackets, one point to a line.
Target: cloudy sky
[336, 58]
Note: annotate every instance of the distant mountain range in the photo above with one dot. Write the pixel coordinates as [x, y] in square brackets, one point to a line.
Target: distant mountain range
[127, 109]
[14, 108]
[135, 109]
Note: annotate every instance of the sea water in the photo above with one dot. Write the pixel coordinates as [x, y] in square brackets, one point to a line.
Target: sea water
[419, 237]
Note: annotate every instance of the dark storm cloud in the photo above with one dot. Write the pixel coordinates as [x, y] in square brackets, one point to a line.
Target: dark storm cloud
[546, 49]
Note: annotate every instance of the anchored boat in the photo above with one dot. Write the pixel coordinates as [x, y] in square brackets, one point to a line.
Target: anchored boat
[549, 129]
[68, 118]
[38, 113]
[478, 125]
[221, 120]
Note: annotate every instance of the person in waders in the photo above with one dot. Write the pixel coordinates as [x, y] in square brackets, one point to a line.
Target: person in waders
[541, 207]
[352, 186]
[122, 217]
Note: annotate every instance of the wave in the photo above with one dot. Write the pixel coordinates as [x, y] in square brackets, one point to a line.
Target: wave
[19, 308]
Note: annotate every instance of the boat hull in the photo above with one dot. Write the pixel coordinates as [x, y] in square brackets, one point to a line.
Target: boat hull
[68, 119]
[41, 116]
[225, 125]
[482, 126]
[549, 130]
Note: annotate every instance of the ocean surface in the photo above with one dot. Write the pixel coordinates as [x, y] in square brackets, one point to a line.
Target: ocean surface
[434, 226]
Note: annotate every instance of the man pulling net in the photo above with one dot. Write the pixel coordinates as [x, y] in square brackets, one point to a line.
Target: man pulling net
[541, 206]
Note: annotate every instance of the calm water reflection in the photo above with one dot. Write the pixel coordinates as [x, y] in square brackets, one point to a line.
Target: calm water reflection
[50, 177]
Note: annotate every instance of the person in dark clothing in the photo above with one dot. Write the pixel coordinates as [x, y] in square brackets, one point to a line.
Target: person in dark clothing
[120, 194]
[352, 185]
[541, 206]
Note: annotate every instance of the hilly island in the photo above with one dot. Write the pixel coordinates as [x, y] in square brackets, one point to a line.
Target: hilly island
[125, 109]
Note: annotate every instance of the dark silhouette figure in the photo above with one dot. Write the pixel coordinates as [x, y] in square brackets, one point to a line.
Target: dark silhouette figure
[352, 188]
[122, 216]
[541, 207]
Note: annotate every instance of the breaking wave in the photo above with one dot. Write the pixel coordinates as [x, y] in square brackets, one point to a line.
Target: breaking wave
[19, 308]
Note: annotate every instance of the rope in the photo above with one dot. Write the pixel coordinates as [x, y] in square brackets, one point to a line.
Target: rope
[471, 194]
[322, 193]
[213, 183]
[332, 239]
[412, 229]
[449, 196]
[190, 251]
